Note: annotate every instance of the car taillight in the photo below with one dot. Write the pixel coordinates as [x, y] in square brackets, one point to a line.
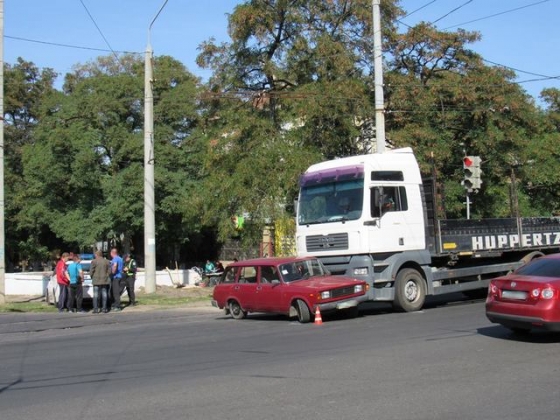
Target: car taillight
[492, 290]
[547, 293]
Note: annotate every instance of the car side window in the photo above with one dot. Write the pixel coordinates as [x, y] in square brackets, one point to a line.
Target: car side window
[230, 275]
[248, 275]
[269, 275]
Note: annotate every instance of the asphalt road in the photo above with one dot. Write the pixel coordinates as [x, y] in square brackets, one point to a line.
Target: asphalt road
[446, 362]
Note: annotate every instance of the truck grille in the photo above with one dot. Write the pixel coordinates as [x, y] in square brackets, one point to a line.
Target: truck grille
[343, 291]
[331, 242]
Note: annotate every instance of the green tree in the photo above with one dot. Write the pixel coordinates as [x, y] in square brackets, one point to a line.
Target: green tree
[444, 101]
[26, 88]
[291, 88]
[85, 173]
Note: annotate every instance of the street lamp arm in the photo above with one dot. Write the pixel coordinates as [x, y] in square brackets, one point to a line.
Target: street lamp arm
[154, 19]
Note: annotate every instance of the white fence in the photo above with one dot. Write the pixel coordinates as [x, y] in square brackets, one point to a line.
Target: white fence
[34, 284]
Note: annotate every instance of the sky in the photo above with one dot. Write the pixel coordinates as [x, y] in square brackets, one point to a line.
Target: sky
[525, 39]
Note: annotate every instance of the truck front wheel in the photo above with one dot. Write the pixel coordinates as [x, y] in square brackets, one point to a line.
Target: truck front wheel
[410, 291]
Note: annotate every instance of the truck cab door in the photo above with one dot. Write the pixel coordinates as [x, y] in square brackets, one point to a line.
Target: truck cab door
[388, 230]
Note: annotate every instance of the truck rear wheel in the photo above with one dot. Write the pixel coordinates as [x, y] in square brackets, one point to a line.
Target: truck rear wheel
[410, 291]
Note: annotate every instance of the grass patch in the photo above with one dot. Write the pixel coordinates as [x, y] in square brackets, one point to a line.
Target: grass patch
[166, 300]
[165, 297]
[27, 307]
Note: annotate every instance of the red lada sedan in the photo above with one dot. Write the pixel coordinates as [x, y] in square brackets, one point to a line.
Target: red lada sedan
[291, 286]
[529, 298]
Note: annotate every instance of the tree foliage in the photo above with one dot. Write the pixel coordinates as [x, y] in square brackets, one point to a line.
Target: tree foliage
[293, 86]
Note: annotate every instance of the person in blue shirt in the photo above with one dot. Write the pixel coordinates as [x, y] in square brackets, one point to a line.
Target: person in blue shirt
[117, 264]
[209, 267]
[75, 289]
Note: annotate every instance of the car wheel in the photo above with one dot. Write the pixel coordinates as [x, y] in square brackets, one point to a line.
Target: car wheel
[410, 291]
[236, 311]
[303, 314]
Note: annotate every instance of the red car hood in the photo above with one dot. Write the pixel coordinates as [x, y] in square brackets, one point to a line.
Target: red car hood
[326, 282]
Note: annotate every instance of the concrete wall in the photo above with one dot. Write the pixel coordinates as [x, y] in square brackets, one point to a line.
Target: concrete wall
[34, 284]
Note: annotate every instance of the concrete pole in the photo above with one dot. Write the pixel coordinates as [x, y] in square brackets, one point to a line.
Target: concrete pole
[149, 195]
[378, 76]
[2, 226]
[149, 163]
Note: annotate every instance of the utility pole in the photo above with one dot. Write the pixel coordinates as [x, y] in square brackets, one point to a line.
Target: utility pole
[378, 78]
[2, 226]
[149, 194]
[149, 163]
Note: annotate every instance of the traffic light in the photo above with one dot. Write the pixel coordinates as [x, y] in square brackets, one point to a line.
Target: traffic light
[471, 173]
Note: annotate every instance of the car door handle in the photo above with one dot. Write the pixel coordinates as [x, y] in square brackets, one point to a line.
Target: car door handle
[259, 287]
[236, 288]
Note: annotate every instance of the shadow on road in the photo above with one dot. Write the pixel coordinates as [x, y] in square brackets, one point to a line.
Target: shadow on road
[536, 337]
[367, 309]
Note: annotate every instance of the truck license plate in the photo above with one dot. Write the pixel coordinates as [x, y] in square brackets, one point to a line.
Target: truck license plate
[514, 294]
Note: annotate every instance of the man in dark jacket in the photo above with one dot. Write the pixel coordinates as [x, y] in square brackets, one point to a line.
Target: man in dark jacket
[129, 278]
[100, 271]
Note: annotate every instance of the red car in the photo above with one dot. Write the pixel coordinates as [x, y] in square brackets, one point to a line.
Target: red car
[291, 286]
[529, 298]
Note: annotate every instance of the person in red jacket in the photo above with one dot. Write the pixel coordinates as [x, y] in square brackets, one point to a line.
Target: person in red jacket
[63, 280]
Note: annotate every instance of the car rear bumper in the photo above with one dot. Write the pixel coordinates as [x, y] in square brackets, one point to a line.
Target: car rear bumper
[343, 304]
[525, 322]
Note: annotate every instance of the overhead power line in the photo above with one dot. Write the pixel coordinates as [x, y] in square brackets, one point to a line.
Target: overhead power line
[452, 11]
[496, 14]
[58, 44]
[99, 30]
[521, 71]
[420, 8]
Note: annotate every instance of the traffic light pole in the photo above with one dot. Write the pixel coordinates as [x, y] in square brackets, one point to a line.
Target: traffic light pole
[468, 202]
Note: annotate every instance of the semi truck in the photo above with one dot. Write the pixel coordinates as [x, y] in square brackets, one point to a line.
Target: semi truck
[375, 217]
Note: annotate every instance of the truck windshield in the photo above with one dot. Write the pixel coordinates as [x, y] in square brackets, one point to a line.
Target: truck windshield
[331, 202]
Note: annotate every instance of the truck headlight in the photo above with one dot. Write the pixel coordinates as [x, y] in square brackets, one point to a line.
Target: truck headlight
[359, 288]
[325, 295]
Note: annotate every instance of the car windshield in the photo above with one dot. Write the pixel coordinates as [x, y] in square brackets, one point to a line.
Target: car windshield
[299, 270]
[544, 267]
[86, 265]
[331, 202]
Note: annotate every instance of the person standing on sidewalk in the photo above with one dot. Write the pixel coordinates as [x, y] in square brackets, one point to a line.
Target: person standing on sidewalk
[100, 277]
[116, 278]
[75, 289]
[129, 278]
[63, 280]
